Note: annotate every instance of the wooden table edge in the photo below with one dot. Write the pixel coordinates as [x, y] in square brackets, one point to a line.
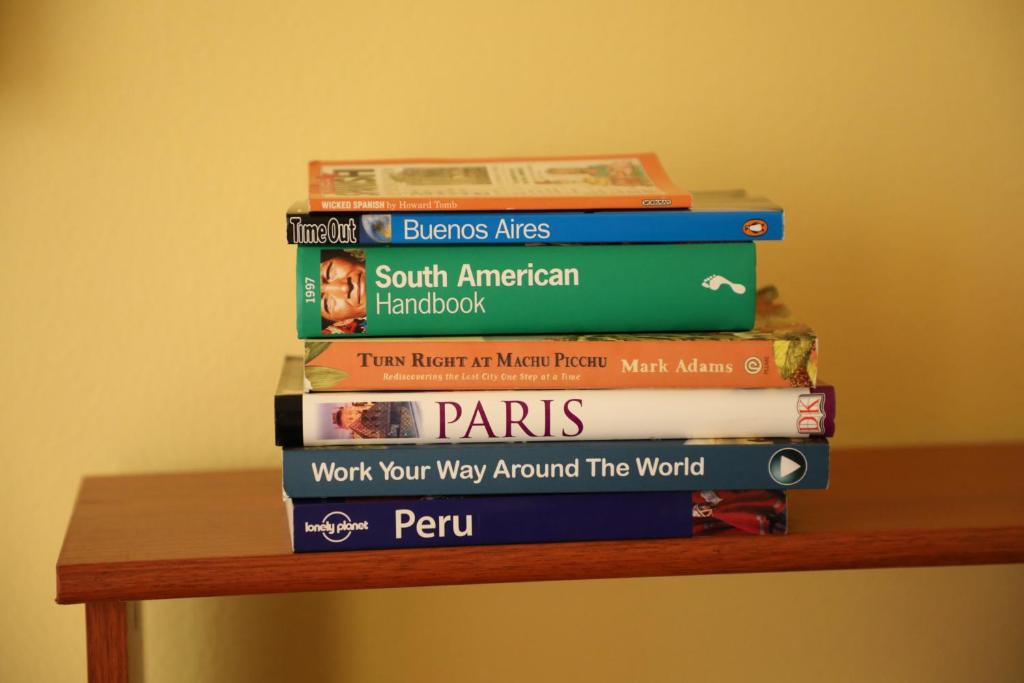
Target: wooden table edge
[284, 573]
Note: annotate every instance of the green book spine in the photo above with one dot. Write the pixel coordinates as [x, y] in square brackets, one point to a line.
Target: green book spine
[408, 291]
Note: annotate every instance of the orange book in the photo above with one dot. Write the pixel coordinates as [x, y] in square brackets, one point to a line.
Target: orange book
[777, 353]
[607, 181]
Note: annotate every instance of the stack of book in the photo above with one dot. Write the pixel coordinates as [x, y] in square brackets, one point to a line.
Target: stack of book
[651, 391]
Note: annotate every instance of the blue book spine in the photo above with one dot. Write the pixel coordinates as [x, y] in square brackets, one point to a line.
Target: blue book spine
[550, 227]
[555, 467]
[365, 524]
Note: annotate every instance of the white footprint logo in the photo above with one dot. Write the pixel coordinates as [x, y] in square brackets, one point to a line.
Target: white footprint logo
[714, 282]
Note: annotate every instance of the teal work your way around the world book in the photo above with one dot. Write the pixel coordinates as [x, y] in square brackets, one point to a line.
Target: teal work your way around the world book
[575, 289]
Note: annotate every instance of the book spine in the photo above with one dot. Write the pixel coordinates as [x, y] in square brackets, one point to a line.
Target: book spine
[344, 418]
[554, 467]
[527, 363]
[495, 184]
[553, 227]
[635, 180]
[525, 289]
[364, 524]
[524, 203]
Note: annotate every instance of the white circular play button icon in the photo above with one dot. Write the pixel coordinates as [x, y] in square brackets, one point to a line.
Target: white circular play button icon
[787, 466]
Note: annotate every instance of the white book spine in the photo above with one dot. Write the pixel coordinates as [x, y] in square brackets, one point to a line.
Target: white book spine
[589, 415]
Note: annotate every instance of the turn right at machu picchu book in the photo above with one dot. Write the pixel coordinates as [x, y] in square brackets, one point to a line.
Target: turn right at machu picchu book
[778, 352]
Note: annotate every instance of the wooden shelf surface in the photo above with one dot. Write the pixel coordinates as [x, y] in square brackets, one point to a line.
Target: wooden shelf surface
[224, 533]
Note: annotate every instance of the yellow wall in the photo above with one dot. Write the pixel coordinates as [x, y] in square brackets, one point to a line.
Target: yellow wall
[147, 153]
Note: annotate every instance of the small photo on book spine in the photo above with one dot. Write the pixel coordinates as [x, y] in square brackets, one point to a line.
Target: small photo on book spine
[618, 172]
[376, 227]
[739, 512]
[343, 291]
[443, 176]
[344, 181]
[368, 420]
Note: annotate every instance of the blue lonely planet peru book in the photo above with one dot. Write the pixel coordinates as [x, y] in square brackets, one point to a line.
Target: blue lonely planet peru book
[370, 523]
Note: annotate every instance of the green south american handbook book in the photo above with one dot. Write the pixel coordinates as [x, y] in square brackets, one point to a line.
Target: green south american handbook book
[438, 291]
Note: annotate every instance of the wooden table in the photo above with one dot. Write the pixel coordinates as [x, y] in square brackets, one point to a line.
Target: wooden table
[148, 537]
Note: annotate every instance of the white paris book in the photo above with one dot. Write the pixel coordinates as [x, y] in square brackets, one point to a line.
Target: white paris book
[331, 419]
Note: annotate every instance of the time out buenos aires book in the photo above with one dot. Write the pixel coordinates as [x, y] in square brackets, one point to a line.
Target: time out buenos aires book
[609, 181]
[414, 291]
[338, 418]
[371, 523]
[724, 216]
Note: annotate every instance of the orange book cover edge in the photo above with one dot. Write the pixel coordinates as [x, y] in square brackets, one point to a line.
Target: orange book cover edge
[651, 163]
